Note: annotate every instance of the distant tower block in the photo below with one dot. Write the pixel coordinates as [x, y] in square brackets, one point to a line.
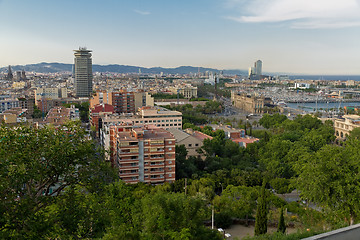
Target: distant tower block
[18, 75]
[83, 73]
[9, 75]
[23, 75]
[258, 67]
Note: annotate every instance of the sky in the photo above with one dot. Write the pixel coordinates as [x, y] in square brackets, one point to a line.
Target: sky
[293, 36]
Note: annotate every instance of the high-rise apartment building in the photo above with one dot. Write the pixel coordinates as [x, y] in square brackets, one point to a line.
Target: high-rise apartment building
[83, 73]
[143, 154]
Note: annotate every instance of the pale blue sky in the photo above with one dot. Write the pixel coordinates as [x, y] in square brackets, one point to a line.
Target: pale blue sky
[299, 36]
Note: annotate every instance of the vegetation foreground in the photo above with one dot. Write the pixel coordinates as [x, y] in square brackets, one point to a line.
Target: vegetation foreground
[54, 184]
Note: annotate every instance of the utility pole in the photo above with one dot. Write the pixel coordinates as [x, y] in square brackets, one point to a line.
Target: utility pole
[185, 185]
[212, 217]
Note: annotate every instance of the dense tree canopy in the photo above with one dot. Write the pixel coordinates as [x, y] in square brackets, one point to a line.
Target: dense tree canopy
[38, 164]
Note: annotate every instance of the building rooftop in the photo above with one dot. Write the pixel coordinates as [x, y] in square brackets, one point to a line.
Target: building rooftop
[179, 134]
[145, 132]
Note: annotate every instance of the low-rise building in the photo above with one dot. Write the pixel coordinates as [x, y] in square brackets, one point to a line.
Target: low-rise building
[250, 103]
[192, 140]
[245, 141]
[61, 115]
[27, 103]
[343, 126]
[50, 93]
[229, 131]
[8, 103]
[187, 91]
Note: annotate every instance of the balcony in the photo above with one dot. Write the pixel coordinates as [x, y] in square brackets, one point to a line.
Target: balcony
[155, 164]
[128, 168]
[135, 174]
[128, 153]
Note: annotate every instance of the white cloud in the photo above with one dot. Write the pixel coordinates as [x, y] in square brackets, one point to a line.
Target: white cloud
[299, 13]
[142, 12]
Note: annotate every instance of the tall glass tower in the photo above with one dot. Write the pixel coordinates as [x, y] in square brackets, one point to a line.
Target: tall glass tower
[83, 73]
[258, 67]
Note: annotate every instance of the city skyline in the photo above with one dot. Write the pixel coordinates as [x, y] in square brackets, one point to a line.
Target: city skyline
[308, 37]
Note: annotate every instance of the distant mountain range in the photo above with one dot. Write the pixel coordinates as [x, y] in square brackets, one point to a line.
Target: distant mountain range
[115, 68]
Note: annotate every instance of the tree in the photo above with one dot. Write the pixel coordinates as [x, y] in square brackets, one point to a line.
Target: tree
[184, 167]
[261, 213]
[204, 187]
[37, 112]
[38, 164]
[269, 121]
[334, 172]
[237, 201]
[281, 226]
[171, 215]
[355, 133]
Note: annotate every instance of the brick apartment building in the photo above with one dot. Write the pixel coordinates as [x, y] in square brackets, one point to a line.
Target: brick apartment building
[96, 112]
[156, 116]
[123, 101]
[143, 154]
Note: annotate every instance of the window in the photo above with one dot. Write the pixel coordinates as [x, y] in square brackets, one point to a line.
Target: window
[170, 175]
[190, 145]
[170, 148]
[196, 144]
[169, 168]
[170, 162]
[170, 142]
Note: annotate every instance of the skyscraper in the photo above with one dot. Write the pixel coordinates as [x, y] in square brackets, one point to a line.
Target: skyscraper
[83, 72]
[9, 75]
[258, 68]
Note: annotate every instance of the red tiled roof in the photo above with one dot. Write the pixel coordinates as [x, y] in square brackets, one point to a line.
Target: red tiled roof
[201, 136]
[245, 140]
[103, 108]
